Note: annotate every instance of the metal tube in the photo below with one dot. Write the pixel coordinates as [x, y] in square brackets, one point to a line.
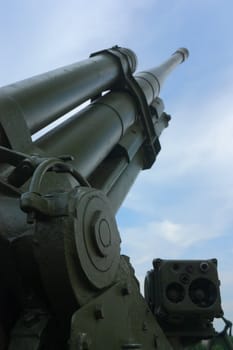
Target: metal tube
[121, 187]
[117, 172]
[44, 98]
[151, 81]
[91, 134]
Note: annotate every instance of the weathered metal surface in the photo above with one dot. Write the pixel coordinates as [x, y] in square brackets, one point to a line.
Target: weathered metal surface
[65, 88]
[64, 283]
[120, 319]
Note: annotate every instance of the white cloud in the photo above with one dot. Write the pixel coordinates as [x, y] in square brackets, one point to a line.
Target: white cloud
[182, 235]
[163, 239]
[50, 34]
[76, 29]
[179, 236]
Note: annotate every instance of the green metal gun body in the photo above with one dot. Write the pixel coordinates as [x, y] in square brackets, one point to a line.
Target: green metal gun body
[63, 280]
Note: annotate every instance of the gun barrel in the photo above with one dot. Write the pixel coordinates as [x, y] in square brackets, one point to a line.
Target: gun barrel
[92, 133]
[151, 81]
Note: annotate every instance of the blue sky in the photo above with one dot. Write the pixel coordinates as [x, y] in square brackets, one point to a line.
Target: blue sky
[182, 208]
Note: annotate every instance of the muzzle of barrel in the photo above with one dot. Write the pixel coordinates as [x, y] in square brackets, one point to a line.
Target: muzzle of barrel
[151, 81]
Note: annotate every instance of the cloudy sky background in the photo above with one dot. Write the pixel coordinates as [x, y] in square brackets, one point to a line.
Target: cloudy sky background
[182, 208]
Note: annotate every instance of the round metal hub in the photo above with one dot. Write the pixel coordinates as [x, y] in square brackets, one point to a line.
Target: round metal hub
[96, 236]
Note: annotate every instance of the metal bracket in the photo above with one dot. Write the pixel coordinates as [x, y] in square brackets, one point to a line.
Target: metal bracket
[128, 82]
[126, 323]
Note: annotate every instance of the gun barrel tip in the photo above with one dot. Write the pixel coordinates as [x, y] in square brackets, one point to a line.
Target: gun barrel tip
[184, 52]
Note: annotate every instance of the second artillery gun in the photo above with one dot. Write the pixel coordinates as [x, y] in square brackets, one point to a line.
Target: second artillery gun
[64, 284]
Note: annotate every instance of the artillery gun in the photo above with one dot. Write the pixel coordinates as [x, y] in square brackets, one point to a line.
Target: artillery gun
[64, 283]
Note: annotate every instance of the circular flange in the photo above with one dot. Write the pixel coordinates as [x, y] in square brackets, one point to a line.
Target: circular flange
[96, 237]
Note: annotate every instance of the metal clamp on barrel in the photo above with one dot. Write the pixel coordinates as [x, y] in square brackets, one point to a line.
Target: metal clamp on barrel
[151, 145]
